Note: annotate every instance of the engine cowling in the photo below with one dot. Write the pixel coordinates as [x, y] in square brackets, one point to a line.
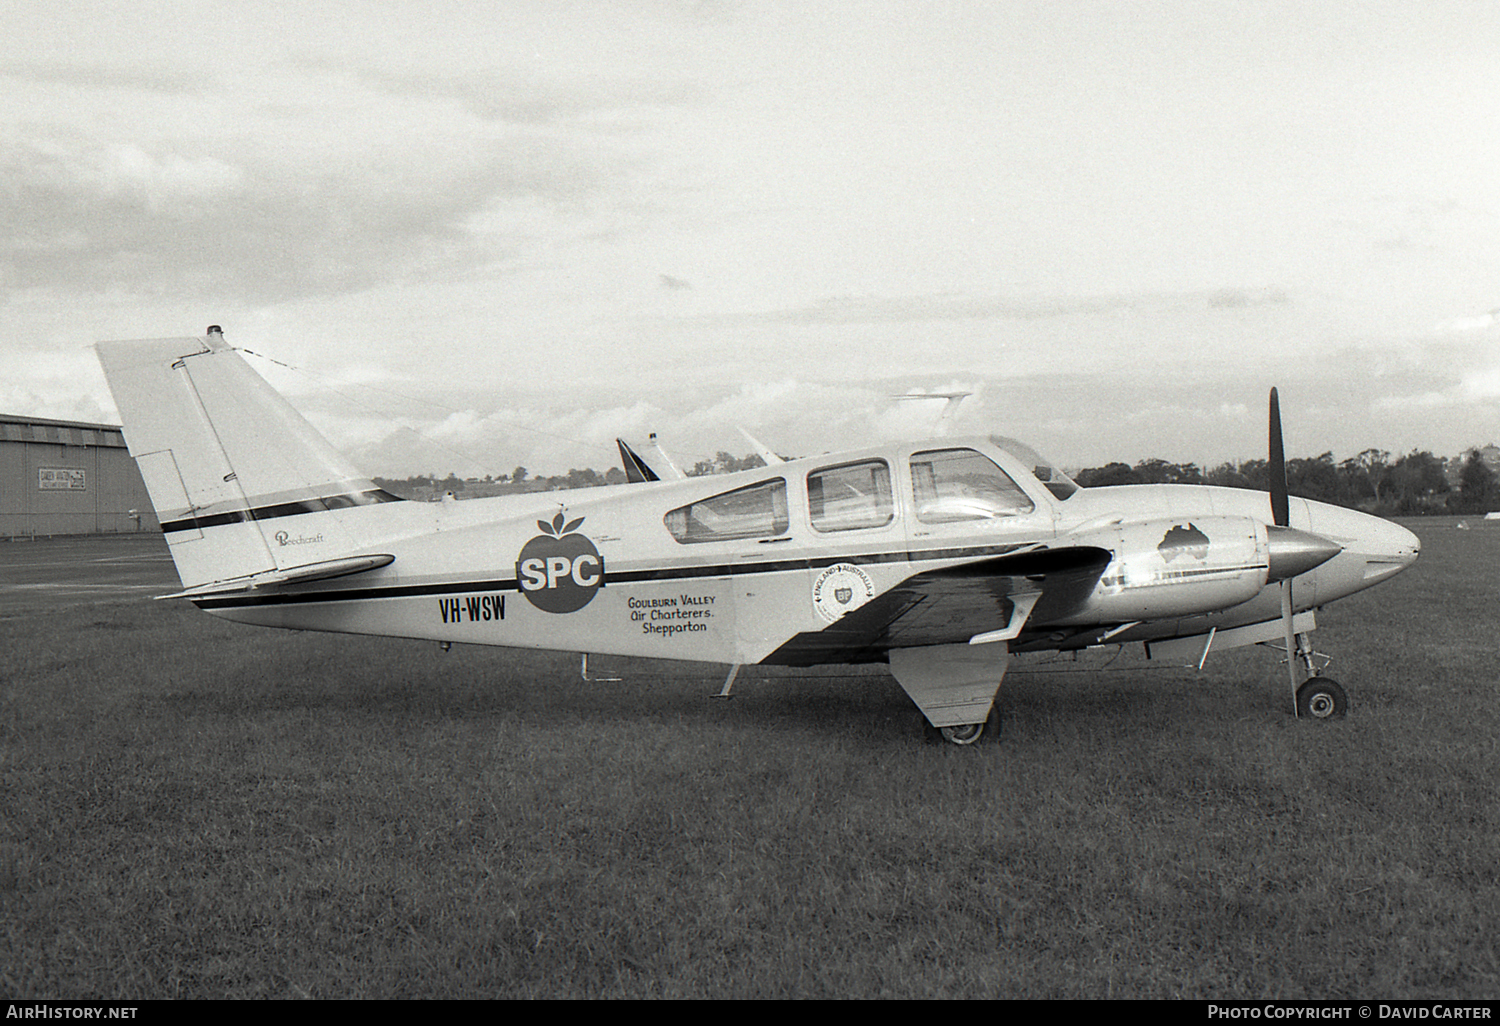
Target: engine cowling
[1176, 567]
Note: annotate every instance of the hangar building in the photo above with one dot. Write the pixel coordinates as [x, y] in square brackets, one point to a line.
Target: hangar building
[65, 477]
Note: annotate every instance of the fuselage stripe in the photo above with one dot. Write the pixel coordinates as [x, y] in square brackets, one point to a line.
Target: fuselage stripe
[321, 504]
[627, 577]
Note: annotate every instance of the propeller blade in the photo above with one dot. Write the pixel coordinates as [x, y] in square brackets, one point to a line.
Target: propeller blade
[1291, 639]
[1281, 515]
[1276, 465]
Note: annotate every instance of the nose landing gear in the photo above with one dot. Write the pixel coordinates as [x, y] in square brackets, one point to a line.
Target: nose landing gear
[1317, 697]
[1320, 698]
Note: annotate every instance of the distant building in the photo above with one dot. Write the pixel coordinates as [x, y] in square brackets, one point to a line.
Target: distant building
[67, 477]
[1489, 455]
[1453, 469]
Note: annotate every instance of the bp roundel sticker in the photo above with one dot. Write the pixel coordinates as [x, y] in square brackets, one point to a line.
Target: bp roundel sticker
[559, 570]
[840, 589]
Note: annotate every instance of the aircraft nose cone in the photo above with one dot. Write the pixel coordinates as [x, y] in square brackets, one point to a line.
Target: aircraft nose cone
[1294, 552]
[1409, 549]
[1392, 550]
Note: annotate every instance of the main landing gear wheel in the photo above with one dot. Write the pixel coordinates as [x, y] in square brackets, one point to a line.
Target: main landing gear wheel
[970, 733]
[963, 734]
[1321, 699]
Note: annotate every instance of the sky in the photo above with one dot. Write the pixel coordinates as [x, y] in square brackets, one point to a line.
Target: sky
[465, 237]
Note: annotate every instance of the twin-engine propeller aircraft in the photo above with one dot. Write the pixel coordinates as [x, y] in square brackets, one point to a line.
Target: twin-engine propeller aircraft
[941, 557]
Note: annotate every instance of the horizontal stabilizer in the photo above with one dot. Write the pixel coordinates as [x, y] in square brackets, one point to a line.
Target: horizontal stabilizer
[761, 449]
[292, 575]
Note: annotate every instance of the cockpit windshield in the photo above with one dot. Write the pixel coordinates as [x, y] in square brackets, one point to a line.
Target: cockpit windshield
[1054, 480]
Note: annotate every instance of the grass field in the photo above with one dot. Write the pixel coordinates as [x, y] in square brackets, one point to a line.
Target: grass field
[196, 809]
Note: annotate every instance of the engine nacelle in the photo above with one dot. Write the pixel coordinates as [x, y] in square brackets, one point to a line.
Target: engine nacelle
[1175, 567]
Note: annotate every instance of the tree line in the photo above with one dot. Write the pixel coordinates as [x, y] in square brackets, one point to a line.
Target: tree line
[1415, 483]
[423, 487]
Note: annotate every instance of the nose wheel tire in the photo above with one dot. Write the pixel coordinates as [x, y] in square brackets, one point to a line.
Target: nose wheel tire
[1321, 699]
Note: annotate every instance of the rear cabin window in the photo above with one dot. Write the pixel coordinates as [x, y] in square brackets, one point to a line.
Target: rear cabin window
[758, 511]
[851, 497]
[950, 485]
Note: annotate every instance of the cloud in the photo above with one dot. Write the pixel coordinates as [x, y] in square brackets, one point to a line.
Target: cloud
[1482, 384]
[515, 97]
[52, 385]
[1462, 325]
[85, 218]
[1416, 401]
[93, 75]
[295, 182]
[164, 178]
[546, 441]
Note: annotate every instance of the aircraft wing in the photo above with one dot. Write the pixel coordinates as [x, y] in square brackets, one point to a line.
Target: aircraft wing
[986, 600]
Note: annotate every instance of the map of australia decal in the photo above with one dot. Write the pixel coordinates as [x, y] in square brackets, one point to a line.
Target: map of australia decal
[1183, 541]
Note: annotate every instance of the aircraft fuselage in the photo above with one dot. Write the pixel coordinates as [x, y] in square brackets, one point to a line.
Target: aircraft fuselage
[642, 570]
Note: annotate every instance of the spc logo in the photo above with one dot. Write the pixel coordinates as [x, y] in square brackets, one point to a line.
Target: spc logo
[558, 571]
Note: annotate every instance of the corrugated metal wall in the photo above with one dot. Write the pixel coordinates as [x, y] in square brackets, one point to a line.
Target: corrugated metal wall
[58, 477]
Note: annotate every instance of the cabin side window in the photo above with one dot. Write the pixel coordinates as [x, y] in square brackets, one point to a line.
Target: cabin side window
[851, 497]
[758, 511]
[950, 485]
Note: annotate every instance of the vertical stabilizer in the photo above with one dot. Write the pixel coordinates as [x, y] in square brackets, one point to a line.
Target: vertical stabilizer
[636, 470]
[241, 482]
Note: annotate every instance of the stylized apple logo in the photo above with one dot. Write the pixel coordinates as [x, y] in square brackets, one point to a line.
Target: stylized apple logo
[559, 570]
